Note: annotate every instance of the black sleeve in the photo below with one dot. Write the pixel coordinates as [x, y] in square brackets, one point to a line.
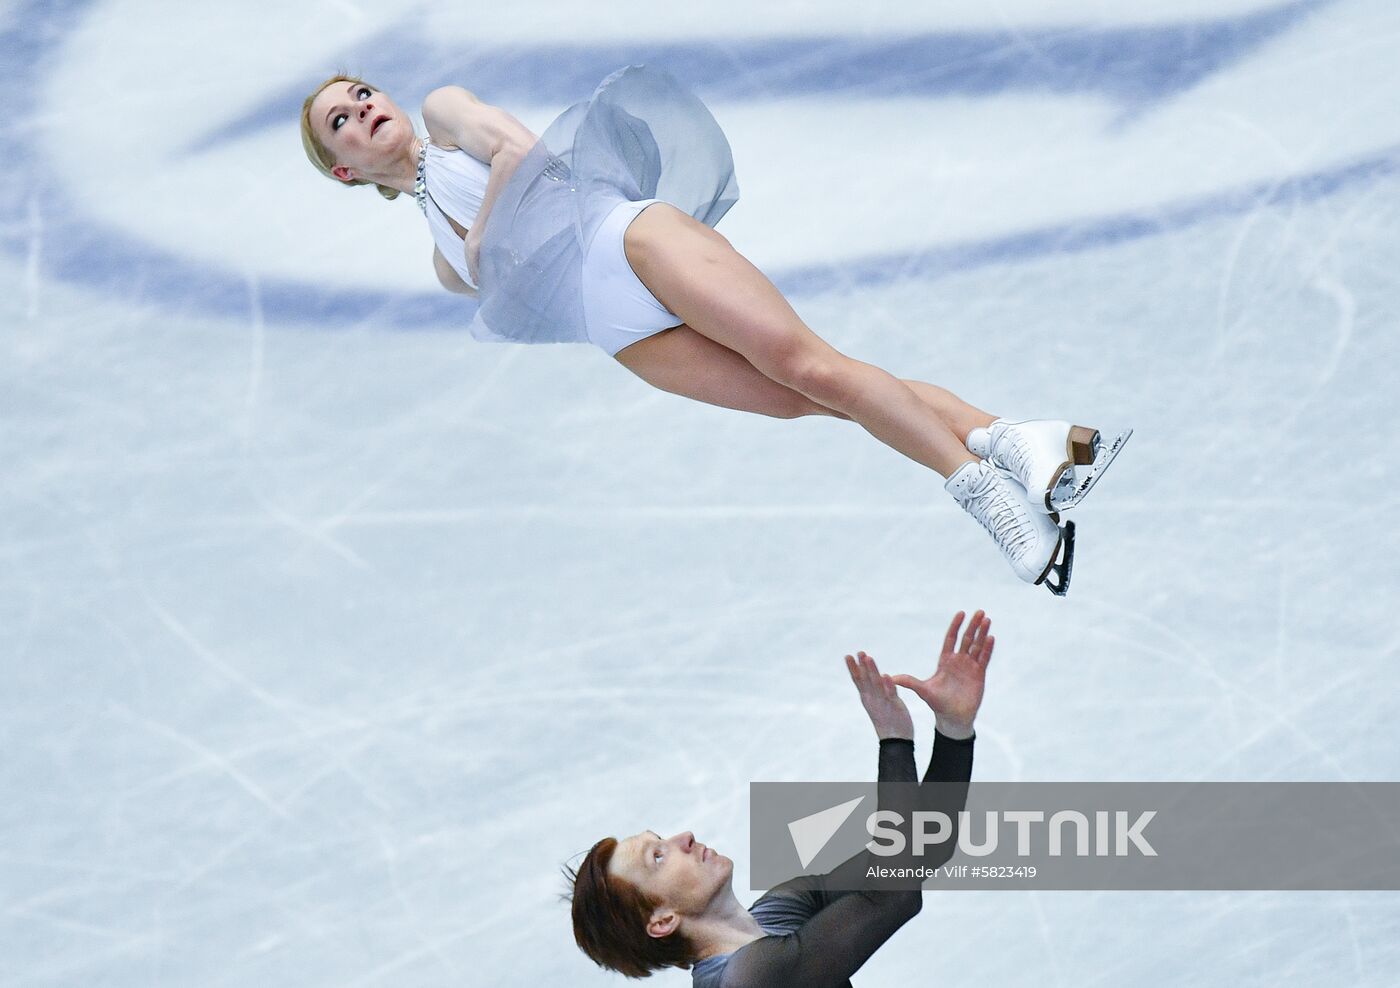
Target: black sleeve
[944, 788]
[845, 926]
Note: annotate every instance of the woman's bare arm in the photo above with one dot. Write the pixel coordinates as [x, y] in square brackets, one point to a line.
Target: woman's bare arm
[449, 278]
[489, 134]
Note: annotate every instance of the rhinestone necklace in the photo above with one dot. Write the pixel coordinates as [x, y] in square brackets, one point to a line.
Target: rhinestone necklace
[420, 186]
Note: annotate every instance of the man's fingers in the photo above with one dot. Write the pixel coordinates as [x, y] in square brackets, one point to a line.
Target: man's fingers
[951, 638]
[971, 633]
[870, 675]
[982, 629]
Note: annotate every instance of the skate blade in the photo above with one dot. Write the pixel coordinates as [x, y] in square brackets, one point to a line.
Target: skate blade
[1080, 482]
[1061, 571]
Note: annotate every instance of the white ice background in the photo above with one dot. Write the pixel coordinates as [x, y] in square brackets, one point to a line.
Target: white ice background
[326, 639]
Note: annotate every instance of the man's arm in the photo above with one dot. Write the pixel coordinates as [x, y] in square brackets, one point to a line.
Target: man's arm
[954, 694]
[844, 925]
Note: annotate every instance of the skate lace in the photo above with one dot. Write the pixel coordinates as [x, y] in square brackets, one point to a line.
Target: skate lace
[1014, 453]
[996, 510]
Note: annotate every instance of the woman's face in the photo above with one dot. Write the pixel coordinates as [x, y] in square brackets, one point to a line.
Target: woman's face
[362, 129]
[680, 873]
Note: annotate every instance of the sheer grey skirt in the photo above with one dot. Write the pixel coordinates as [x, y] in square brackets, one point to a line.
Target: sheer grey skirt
[640, 136]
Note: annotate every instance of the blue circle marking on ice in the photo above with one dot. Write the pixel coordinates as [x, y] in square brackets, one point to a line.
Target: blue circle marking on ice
[1134, 67]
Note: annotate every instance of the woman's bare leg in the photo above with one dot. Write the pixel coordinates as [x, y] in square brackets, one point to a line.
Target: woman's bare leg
[695, 273]
[957, 414]
[686, 363]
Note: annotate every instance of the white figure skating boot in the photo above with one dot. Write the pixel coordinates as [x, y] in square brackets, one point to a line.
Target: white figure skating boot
[1056, 462]
[1030, 540]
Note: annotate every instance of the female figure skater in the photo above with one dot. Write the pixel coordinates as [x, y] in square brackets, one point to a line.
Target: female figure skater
[601, 232]
[645, 903]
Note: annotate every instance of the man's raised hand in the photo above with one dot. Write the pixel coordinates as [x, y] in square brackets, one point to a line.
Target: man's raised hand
[954, 691]
[881, 700]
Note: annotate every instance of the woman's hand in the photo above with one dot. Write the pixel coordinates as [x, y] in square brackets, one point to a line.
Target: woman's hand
[472, 248]
[954, 691]
[880, 699]
[456, 118]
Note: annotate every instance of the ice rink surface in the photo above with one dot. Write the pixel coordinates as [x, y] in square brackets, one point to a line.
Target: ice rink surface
[327, 634]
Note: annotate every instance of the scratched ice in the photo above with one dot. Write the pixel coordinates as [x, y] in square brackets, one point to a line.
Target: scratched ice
[327, 634]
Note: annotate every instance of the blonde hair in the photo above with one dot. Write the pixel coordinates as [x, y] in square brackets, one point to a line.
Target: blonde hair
[316, 152]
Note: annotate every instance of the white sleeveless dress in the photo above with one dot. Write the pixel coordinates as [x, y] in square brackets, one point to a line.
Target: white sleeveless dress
[552, 266]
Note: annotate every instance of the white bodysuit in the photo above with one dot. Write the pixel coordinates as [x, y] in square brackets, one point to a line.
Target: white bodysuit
[618, 309]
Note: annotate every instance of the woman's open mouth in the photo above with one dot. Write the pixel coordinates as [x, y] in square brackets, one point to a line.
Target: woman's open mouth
[377, 121]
